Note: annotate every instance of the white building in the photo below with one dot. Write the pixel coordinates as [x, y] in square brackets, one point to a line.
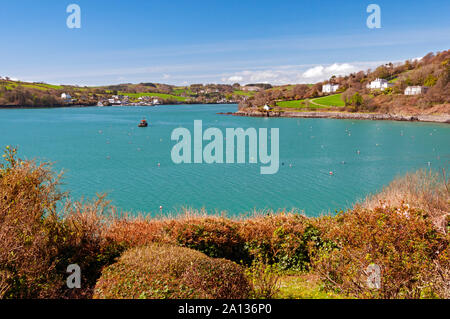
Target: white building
[66, 97]
[155, 101]
[379, 84]
[416, 90]
[267, 108]
[330, 88]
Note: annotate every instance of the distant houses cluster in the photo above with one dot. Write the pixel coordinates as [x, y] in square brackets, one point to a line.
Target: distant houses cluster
[125, 100]
[382, 84]
[379, 84]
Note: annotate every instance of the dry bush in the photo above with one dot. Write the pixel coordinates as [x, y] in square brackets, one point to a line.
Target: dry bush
[282, 238]
[37, 243]
[79, 238]
[161, 271]
[424, 189]
[28, 192]
[401, 241]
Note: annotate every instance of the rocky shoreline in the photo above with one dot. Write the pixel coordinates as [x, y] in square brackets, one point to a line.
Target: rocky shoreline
[442, 118]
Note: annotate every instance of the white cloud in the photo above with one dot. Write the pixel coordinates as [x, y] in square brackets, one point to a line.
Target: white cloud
[297, 74]
[320, 72]
[235, 78]
[314, 72]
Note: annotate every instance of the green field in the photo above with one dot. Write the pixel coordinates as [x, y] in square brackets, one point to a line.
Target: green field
[321, 102]
[330, 100]
[161, 95]
[292, 104]
[245, 93]
[40, 86]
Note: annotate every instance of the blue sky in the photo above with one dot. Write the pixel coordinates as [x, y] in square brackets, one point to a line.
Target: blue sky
[185, 42]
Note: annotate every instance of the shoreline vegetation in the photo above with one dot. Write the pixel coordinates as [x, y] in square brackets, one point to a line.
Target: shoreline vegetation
[436, 118]
[404, 230]
[416, 90]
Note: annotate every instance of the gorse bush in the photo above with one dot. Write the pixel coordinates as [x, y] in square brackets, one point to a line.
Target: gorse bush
[160, 272]
[28, 192]
[401, 241]
[282, 239]
[424, 189]
[37, 243]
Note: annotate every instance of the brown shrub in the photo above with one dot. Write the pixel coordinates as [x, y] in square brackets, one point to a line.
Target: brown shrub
[402, 242]
[37, 243]
[28, 192]
[424, 189]
[160, 271]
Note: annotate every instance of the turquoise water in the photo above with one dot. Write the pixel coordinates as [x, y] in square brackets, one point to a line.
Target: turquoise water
[103, 150]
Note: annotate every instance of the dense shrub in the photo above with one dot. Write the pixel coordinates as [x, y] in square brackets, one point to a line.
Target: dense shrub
[215, 237]
[280, 239]
[402, 242]
[160, 271]
[37, 242]
[40, 237]
[425, 189]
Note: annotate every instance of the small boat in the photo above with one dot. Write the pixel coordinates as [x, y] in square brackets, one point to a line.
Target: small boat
[143, 123]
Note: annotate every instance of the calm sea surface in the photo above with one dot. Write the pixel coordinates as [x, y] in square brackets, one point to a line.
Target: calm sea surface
[103, 150]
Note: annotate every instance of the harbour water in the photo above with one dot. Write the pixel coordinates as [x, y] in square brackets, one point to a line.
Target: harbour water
[102, 150]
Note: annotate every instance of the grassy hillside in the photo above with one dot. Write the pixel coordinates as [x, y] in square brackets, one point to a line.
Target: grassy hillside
[330, 100]
[320, 103]
[161, 95]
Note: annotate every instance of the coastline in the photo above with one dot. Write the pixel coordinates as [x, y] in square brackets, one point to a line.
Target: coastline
[443, 118]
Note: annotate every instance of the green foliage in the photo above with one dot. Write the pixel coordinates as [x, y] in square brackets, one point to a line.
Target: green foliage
[264, 278]
[217, 238]
[161, 272]
[430, 80]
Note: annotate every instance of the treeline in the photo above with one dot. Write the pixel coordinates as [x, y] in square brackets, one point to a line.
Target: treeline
[27, 97]
[432, 71]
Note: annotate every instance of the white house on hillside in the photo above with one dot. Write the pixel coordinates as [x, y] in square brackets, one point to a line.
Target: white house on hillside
[267, 108]
[380, 84]
[155, 101]
[416, 90]
[66, 97]
[330, 88]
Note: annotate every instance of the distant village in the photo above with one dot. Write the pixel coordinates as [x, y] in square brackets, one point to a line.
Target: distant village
[196, 93]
